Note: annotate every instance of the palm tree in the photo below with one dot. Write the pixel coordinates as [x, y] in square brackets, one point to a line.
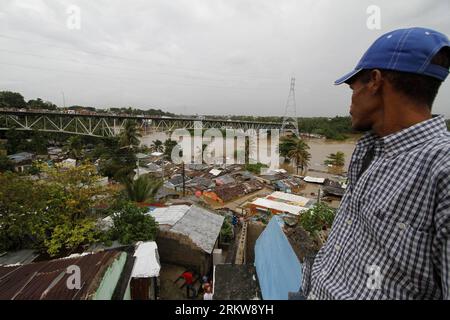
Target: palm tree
[336, 159]
[130, 135]
[286, 145]
[250, 149]
[299, 153]
[142, 189]
[157, 146]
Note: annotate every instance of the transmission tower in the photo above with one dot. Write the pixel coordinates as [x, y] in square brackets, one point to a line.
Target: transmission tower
[290, 122]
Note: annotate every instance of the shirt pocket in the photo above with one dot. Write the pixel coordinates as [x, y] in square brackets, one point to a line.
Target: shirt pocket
[402, 250]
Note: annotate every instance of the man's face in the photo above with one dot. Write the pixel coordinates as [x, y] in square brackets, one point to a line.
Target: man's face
[364, 106]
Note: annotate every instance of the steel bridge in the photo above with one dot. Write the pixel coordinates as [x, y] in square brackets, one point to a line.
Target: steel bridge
[106, 125]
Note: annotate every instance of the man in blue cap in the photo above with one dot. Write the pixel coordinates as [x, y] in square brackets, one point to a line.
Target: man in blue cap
[391, 235]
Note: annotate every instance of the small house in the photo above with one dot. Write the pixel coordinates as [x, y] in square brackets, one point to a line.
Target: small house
[187, 236]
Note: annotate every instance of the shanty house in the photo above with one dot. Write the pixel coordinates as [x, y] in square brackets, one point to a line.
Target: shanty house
[187, 236]
[144, 279]
[98, 275]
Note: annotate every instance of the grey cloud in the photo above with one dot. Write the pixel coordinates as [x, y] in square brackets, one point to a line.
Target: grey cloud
[199, 56]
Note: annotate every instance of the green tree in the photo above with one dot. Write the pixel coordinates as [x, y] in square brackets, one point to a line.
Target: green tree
[6, 164]
[335, 159]
[39, 142]
[21, 203]
[317, 218]
[129, 137]
[286, 145]
[68, 220]
[157, 146]
[142, 189]
[39, 104]
[70, 235]
[10, 99]
[299, 153]
[168, 147]
[226, 232]
[296, 149]
[16, 141]
[131, 224]
[74, 147]
[116, 162]
[255, 167]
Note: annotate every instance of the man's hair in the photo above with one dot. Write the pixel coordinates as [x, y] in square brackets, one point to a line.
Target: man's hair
[420, 88]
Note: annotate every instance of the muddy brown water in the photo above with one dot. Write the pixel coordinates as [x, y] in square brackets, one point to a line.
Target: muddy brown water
[319, 150]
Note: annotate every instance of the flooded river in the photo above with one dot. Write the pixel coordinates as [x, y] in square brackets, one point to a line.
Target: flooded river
[319, 150]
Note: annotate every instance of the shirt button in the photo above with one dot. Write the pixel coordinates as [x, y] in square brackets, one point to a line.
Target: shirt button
[349, 221]
[337, 247]
[401, 226]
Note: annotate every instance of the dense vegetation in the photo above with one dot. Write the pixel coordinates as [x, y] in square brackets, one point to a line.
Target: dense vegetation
[10, 99]
[58, 213]
[317, 218]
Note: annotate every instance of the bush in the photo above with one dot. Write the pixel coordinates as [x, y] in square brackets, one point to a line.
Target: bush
[131, 224]
[319, 217]
[255, 167]
[226, 233]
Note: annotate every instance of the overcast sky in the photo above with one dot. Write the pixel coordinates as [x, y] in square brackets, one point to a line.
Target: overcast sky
[199, 56]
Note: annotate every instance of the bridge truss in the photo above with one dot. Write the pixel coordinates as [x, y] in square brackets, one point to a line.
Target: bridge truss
[98, 125]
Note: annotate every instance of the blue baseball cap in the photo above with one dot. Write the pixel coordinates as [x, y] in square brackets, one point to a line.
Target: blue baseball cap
[407, 50]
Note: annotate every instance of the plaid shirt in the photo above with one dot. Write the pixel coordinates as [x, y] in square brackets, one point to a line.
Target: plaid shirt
[391, 235]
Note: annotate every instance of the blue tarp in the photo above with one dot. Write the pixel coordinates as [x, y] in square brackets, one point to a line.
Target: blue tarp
[278, 268]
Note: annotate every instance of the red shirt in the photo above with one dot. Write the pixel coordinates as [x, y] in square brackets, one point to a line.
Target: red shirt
[187, 277]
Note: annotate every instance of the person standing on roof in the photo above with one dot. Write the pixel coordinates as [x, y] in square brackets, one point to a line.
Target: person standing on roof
[391, 235]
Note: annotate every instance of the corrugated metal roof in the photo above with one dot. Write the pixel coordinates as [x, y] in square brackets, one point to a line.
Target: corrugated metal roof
[18, 257]
[279, 206]
[200, 225]
[314, 179]
[294, 199]
[47, 279]
[215, 172]
[169, 215]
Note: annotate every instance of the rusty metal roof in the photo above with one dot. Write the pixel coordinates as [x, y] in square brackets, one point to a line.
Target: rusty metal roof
[47, 279]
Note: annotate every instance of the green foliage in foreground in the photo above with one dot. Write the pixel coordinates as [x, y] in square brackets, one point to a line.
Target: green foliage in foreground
[131, 224]
[317, 218]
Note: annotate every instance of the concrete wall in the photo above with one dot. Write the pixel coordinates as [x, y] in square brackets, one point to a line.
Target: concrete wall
[180, 250]
[254, 230]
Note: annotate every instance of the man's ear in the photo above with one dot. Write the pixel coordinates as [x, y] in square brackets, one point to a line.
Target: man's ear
[376, 81]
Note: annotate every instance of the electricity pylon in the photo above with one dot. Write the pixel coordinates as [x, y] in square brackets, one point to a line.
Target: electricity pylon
[290, 122]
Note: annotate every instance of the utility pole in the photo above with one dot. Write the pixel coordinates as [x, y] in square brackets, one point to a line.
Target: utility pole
[184, 181]
[64, 99]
